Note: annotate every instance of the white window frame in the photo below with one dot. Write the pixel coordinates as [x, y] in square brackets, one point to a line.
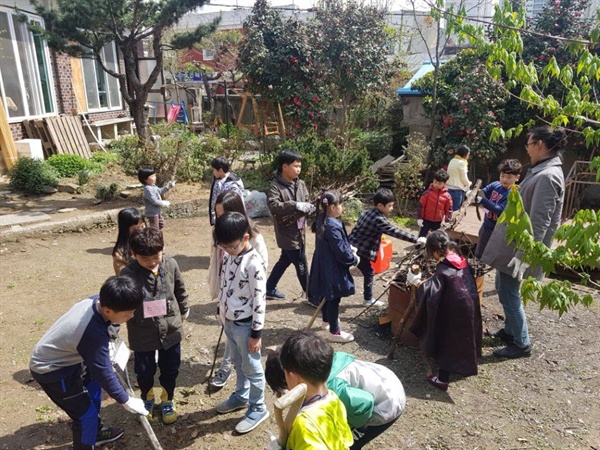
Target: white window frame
[118, 107]
[19, 73]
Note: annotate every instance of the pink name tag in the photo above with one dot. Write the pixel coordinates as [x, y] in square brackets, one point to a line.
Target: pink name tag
[155, 308]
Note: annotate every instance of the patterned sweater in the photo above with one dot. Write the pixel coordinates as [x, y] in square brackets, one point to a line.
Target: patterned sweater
[242, 295]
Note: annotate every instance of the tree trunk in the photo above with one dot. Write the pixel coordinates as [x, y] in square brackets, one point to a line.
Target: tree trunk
[209, 96]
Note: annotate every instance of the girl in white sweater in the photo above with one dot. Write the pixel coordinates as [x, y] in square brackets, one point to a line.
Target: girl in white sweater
[458, 183]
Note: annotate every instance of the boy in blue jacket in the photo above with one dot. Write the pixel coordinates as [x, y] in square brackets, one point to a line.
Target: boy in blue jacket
[72, 364]
[494, 200]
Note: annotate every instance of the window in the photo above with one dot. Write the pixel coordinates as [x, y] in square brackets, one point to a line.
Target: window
[102, 89]
[208, 54]
[26, 83]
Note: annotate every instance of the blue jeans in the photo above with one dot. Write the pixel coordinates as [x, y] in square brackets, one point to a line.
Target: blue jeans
[515, 322]
[250, 383]
[457, 198]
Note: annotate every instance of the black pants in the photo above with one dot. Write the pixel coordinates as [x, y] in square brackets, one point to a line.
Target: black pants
[168, 362]
[428, 226]
[331, 313]
[367, 434]
[368, 274]
[80, 397]
[295, 257]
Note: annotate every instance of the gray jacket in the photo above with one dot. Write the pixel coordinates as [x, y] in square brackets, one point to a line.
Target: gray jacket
[153, 199]
[543, 192]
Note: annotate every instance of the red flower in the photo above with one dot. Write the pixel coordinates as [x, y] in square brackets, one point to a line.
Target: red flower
[293, 59]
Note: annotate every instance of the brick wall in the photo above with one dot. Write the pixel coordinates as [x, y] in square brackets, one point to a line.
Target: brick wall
[62, 81]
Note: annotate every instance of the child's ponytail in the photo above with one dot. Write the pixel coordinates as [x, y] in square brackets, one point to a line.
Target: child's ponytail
[438, 241]
[324, 201]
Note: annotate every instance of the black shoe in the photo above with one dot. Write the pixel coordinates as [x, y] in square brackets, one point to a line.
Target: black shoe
[504, 336]
[513, 351]
[108, 434]
[275, 294]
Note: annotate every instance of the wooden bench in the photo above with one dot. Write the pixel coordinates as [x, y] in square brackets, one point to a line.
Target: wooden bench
[109, 129]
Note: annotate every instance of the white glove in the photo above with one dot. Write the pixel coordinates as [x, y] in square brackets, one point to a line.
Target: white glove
[305, 207]
[420, 223]
[414, 279]
[354, 250]
[186, 315]
[468, 192]
[357, 260]
[519, 268]
[421, 241]
[135, 406]
[165, 203]
[273, 445]
[171, 184]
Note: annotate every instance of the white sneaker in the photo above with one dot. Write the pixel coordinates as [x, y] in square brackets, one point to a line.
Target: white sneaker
[325, 325]
[373, 302]
[342, 337]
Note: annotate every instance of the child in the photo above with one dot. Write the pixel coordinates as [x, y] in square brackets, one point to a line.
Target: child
[130, 220]
[458, 179]
[223, 181]
[71, 361]
[321, 423]
[435, 204]
[158, 322]
[448, 320]
[153, 197]
[330, 269]
[230, 201]
[372, 394]
[366, 237]
[494, 200]
[242, 312]
[288, 202]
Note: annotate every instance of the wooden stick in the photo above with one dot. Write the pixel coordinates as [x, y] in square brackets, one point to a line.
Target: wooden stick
[292, 400]
[314, 316]
[212, 369]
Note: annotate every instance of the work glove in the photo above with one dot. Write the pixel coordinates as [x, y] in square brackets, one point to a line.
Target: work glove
[186, 315]
[480, 196]
[273, 444]
[135, 406]
[357, 260]
[354, 250]
[421, 241]
[414, 279]
[519, 268]
[305, 207]
[171, 184]
[165, 203]
[420, 223]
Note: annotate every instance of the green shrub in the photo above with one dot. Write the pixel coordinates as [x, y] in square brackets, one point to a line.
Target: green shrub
[160, 155]
[31, 175]
[83, 177]
[107, 192]
[70, 165]
[104, 158]
[332, 165]
[377, 142]
[353, 208]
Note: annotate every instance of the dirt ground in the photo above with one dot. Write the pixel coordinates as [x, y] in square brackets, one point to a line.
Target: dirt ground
[548, 401]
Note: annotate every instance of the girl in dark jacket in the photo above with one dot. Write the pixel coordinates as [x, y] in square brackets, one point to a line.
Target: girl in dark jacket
[330, 270]
[448, 321]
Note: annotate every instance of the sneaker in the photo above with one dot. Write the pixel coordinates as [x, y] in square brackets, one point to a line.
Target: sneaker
[342, 336]
[325, 325]
[311, 303]
[504, 336]
[513, 351]
[169, 415]
[373, 302]
[220, 377]
[251, 420]
[108, 434]
[275, 294]
[435, 382]
[231, 404]
[149, 402]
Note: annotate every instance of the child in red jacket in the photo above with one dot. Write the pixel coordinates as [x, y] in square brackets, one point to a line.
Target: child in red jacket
[435, 204]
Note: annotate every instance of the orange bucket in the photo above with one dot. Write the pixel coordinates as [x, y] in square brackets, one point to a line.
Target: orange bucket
[384, 256]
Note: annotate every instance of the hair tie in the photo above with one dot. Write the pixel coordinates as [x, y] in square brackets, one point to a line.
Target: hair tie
[325, 201]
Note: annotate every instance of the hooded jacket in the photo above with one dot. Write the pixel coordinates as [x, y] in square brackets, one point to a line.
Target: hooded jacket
[435, 205]
[282, 197]
[448, 319]
[230, 182]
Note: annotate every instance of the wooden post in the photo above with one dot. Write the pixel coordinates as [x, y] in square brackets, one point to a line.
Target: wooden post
[7, 145]
[292, 400]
